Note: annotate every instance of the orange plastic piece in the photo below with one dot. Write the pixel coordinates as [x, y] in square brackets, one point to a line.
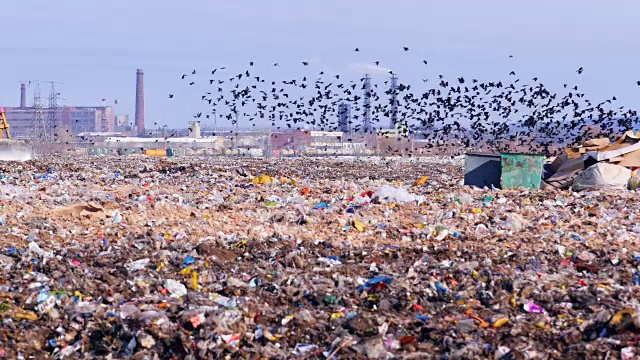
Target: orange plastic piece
[483, 323]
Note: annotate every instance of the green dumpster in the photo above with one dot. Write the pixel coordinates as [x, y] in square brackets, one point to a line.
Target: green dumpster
[521, 170]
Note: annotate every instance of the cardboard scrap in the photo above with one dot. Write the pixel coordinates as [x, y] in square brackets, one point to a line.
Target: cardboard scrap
[79, 210]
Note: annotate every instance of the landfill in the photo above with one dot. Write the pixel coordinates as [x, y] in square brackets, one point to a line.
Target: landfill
[309, 258]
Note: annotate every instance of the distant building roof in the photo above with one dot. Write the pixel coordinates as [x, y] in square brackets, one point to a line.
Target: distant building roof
[100, 134]
[326, 133]
[168, 140]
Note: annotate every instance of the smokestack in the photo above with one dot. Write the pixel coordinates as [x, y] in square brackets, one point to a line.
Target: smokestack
[367, 104]
[139, 116]
[394, 101]
[23, 96]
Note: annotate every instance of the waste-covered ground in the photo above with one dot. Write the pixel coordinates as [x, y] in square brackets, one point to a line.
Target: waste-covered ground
[220, 258]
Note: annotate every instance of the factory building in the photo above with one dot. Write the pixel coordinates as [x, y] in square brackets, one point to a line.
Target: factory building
[290, 140]
[123, 123]
[76, 119]
[39, 120]
[312, 143]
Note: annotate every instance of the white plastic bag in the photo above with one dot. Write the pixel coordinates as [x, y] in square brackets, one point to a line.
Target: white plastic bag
[602, 176]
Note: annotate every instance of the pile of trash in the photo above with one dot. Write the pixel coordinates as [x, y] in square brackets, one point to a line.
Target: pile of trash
[597, 165]
[148, 258]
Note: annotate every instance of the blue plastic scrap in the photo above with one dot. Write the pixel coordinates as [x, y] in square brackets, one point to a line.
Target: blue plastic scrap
[43, 296]
[322, 205]
[187, 261]
[375, 281]
[577, 237]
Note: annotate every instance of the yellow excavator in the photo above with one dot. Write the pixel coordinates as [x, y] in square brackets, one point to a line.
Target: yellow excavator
[4, 126]
[11, 150]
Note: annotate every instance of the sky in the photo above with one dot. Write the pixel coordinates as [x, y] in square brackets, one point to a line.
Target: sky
[93, 48]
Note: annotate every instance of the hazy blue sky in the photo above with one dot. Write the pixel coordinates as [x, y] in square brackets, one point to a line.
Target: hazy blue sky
[94, 47]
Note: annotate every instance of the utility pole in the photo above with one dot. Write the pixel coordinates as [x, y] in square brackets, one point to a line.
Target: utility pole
[52, 124]
[44, 126]
[38, 130]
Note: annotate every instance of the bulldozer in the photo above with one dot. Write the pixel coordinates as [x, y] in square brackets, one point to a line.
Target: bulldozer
[10, 149]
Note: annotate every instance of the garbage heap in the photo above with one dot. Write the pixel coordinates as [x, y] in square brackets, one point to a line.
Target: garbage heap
[597, 164]
[147, 258]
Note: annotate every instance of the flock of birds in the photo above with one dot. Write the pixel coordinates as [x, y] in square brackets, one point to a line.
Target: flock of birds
[469, 110]
[465, 111]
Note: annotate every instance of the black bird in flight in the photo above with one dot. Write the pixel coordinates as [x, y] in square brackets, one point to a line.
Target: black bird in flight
[405, 48]
[170, 96]
[356, 50]
[425, 62]
[580, 70]
[305, 63]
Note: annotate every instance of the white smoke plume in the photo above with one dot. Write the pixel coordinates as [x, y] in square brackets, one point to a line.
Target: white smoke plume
[371, 69]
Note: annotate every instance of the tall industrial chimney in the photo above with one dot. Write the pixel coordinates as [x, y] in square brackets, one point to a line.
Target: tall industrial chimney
[23, 96]
[140, 102]
[367, 104]
[394, 102]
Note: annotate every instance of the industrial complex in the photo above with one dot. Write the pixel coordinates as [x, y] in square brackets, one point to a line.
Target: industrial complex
[98, 130]
[44, 119]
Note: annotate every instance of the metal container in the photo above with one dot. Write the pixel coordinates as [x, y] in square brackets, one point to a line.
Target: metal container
[521, 170]
[481, 169]
[155, 152]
